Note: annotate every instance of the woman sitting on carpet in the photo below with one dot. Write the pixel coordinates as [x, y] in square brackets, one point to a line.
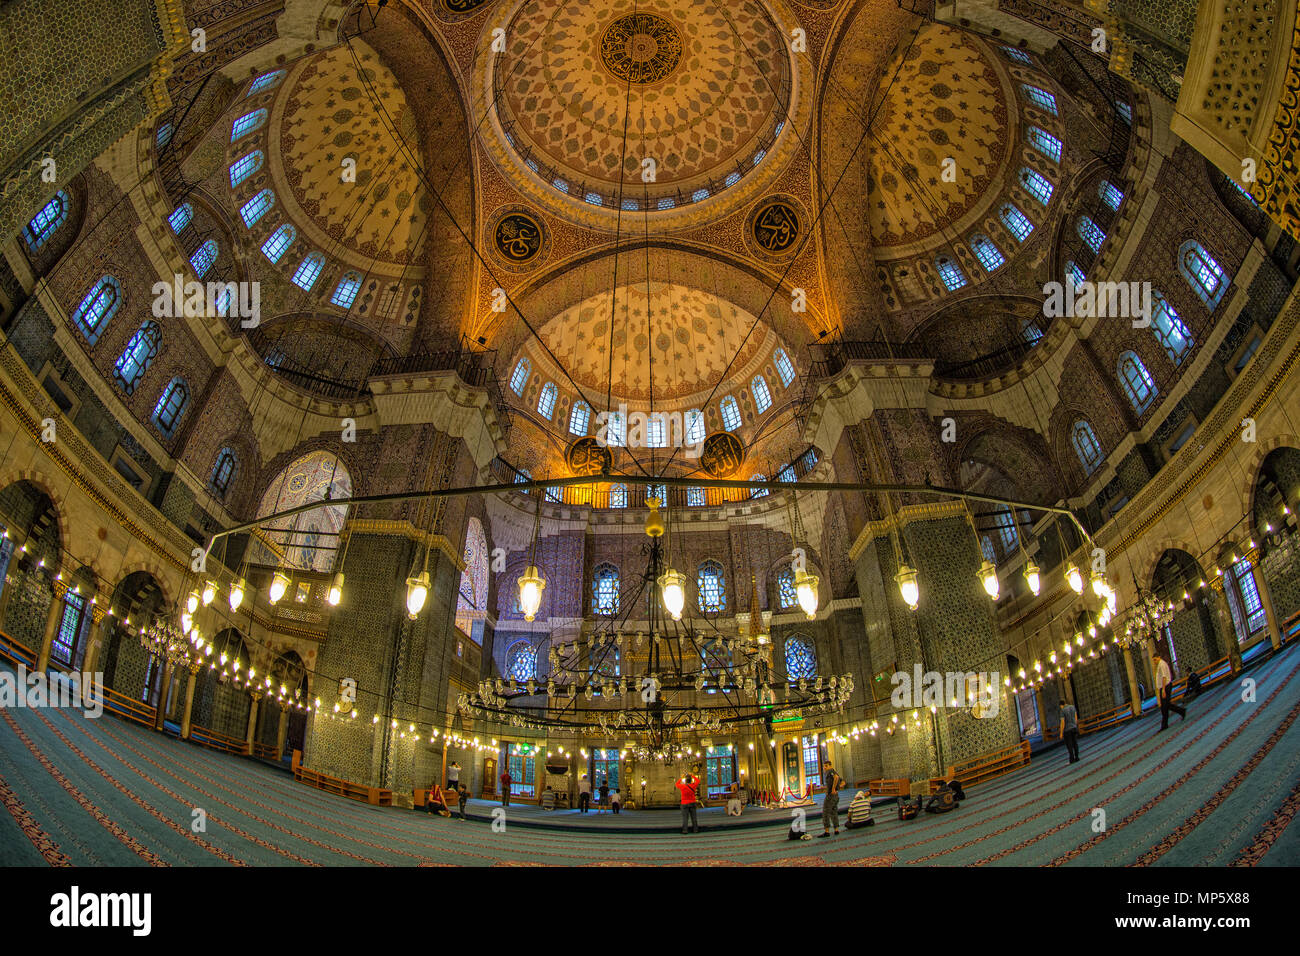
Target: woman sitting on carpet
[437, 803]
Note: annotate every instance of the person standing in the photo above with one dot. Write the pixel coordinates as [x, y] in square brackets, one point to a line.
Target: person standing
[604, 793]
[462, 794]
[584, 794]
[1164, 687]
[505, 788]
[615, 800]
[453, 775]
[688, 786]
[831, 805]
[1069, 730]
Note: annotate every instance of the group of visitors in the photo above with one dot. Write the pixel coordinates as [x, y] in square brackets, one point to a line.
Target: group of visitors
[1068, 729]
[436, 801]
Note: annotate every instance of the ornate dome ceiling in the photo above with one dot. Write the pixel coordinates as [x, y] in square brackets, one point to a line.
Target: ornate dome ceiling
[327, 115]
[948, 102]
[685, 338]
[700, 88]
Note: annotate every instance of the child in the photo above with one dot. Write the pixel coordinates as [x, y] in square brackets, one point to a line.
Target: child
[615, 800]
[462, 794]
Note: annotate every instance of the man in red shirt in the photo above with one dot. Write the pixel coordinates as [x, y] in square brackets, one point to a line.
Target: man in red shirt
[686, 786]
[505, 788]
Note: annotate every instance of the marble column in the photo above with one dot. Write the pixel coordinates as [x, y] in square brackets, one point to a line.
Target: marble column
[160, 711]
[187, 714]
[252, 721]
[52, 621]
[1130, 674]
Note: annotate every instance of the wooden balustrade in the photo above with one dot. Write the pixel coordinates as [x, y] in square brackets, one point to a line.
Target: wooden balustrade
[887, 787]
[989, 766]
[1109, 718]
[15, 652]
[219, 741]
[377, 796]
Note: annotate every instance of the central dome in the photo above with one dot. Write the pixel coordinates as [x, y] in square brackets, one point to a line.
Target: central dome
[700, 90]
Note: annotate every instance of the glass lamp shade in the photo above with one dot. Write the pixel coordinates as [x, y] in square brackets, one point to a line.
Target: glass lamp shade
[279, 584]
[417, 591]
[1074, 579]
[531, 585]
[209, 592]
[1032, 577]
[187, 621]
[237, 594]
[989, 578]
[673, 586]
[192, 602]
[654, 521]
[805, 586]
[335, 594]
[1098, 584]
[908, 586]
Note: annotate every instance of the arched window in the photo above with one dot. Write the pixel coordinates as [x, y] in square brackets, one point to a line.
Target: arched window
[615, 429]
[757, 491]
[171, 406]
[1086, 445]
[278, 242]
[256, 207]
[247, 123]
[1030, 333]
[656, 430]
[1091, 233]
[783, 367]
[164, 134]
[618, 496]
[309, 270]
[1039, 97]
[800, 658]
[1169, 328]
[521, 662]
[180, 217]
[695, 497]
[1248, 615]
[730, 413]
[694, 426]
[712, 588]
[986, 547]
[308, 540]
[762, 396]
[657, 492]
[99, 305]
[345, 293]
[519, 377]
[1202, 273]
[1020, 56]
[244, 167]
[203, 258]
[1074, 273]
[265, 82]
[1137, 381]
[787, 474]
[546, 400]
[989, 255]
[1006, 522]
[139, 354]
[1044, 142]
[472, 596]
[45, 222]
[1037, 184]
[1125, 111]
[1016, 221]
[579, 418]
[604, 590]
[1110, 194]
[950, 273]
[786, 594]
[223, 472]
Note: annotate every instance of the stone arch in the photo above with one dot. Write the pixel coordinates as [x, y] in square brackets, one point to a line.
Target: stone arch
[1190, 633]
[325, 476]
[128, 668]
[1275, 483]
[219, 705]
[31, 555]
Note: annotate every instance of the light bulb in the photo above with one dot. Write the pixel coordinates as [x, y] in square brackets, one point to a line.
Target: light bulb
[335, 594]
[805, 586]
[989, 578]
[531, 585]
[237, 594]
[1074, 579]
[1032, 576]
[187, 621]
[192, 602]
[1098, 584]
[908, 586]
[209, 592]
[279, 584]
[672, 584]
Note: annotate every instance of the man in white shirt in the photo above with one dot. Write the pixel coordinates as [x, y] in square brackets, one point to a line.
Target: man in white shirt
[1164, 678]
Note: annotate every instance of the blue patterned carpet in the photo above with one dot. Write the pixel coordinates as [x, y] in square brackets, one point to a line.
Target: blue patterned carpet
[1220, 788]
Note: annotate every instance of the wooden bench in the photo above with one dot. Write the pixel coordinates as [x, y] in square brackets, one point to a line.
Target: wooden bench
[887, 787]
[16, 653]
[1108, 718]
[376, 796]
[988, 766]
[265, 751]
[218, 741]
[133, 710]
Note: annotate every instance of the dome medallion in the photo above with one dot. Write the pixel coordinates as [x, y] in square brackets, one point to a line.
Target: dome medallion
[641, 48]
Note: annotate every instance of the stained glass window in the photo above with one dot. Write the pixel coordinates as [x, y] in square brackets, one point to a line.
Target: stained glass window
[1044, 142]
[203, 258]
[1169, 328]
[1137, 381]
[521, 764]
[783, 367]
[1202, 272]
[66, 637]
[712, 588]
[786, 594]
[800, 658]
[256, 207]
[694, 426]
[615, 429]
[986, 546]
[223, 470]
[950, 273]
[1125, 111]
[579, 418]
[656, 434]
[278, 242]
[1037, 184]
[812, 761]
[1039, 97]
[987, 253]
[180, 217]
[247, 123]
[604, 590]
[164, 134]
[730, 413]
[244, 167]
[618, 496]
[265, 82]
[1074, 273]
[1020, 56]
[519, 377]
[758, 491]
[345, 293]
[762, 396]
[546, 401]
[97, 308]
[1006, 522]
[45, 222]
[1086, 445]
[1110, 194]
[521, 662]
[1030, 332]
[171, 406]
[139, 354]
[695, 497]
[1016, 221]
[309, 270]
[1091, 233]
